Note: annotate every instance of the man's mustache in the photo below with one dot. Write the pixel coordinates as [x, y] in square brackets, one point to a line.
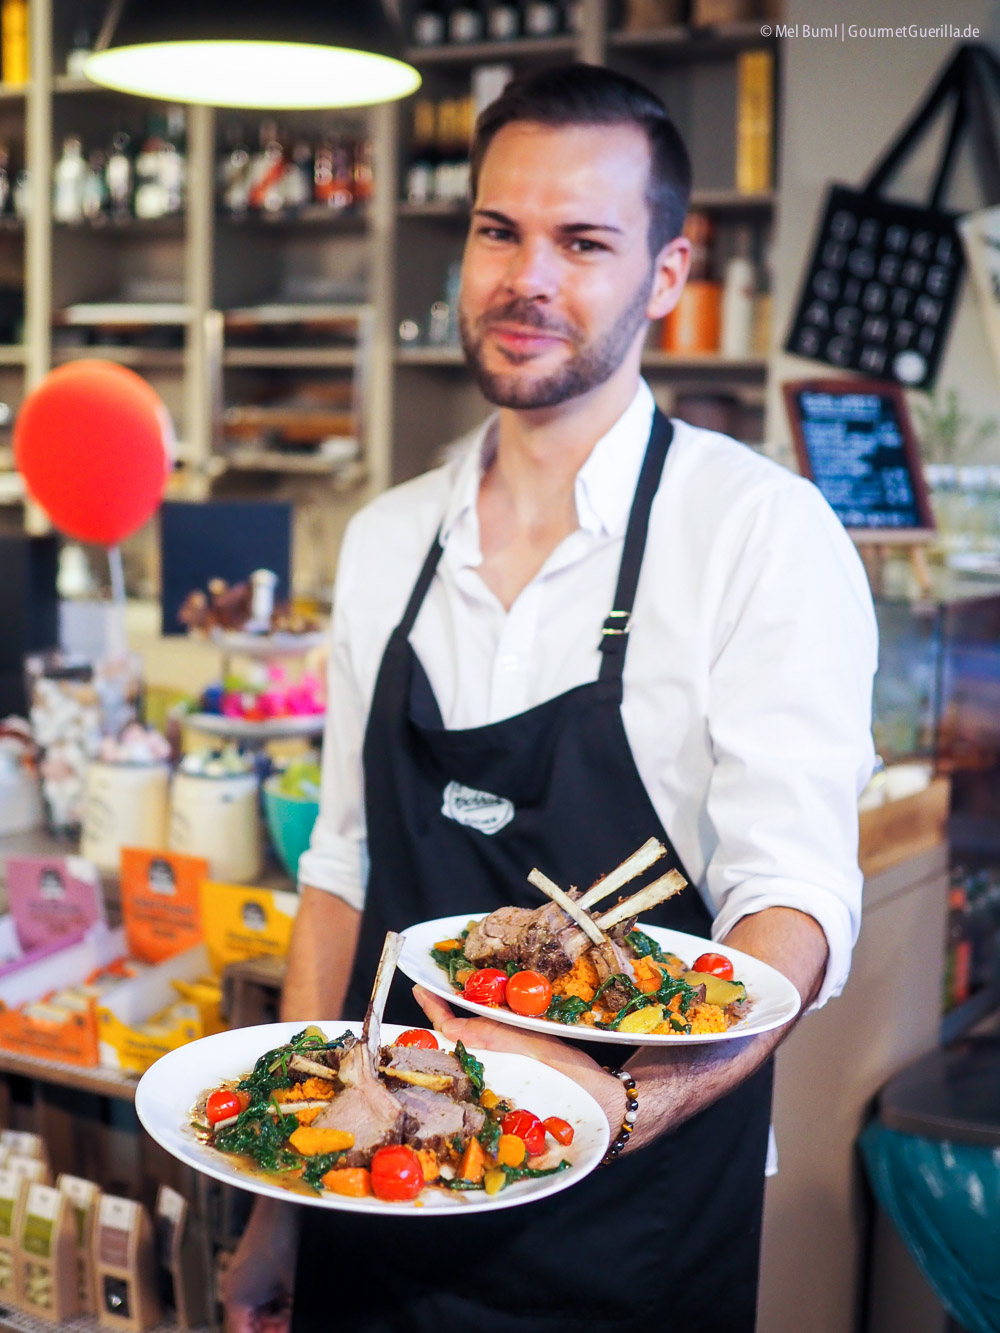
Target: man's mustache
[520, 311]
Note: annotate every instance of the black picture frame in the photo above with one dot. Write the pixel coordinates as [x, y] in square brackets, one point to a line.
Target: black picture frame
[883, 526]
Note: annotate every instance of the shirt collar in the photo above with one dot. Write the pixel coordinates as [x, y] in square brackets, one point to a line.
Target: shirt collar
[604, 488]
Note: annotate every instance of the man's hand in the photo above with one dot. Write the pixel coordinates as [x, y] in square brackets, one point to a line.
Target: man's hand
[257, 1288]
[565, 1056]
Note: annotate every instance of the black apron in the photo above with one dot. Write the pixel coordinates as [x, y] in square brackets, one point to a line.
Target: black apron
[669, 1232]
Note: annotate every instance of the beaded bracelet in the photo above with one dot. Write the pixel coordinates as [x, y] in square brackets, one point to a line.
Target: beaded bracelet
[628, 1124]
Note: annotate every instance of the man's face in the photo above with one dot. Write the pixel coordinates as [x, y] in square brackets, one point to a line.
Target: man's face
[557, 279]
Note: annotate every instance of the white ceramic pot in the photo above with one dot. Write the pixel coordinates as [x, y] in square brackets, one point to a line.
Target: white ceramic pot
[125, 805]
[218, 818]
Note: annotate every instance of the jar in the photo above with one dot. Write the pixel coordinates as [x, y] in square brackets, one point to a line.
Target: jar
[218, 817]
[124, 805]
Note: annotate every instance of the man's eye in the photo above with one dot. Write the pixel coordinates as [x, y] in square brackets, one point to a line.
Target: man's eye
[496, 233]
[580, 245]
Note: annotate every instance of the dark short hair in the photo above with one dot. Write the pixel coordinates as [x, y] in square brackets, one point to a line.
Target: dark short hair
[578, 94]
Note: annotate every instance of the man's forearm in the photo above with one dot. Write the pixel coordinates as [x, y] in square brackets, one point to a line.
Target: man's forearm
[319, 957]
[677, 1082]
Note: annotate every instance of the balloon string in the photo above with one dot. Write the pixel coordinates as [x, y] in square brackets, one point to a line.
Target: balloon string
[117, 575]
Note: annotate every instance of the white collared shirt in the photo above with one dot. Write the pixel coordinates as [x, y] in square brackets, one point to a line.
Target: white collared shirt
[747, 682]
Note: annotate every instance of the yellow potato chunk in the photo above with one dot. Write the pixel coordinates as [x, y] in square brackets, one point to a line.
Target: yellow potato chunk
[642, 1020]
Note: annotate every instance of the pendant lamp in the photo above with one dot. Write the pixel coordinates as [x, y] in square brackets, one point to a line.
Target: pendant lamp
[253, 53]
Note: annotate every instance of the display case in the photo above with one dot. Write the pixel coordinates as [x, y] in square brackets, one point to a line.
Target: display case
[937, 697]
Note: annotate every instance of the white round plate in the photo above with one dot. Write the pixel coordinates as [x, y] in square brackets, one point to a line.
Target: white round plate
[170, 1087]
[774, 1000]
[270, 729]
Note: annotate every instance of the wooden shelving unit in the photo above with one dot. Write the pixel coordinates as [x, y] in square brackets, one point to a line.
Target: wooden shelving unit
[413, 398]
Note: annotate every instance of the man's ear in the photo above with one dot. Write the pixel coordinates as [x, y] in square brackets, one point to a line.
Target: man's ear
[670, 273]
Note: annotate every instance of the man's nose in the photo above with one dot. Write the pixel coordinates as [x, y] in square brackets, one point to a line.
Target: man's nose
[532, 272]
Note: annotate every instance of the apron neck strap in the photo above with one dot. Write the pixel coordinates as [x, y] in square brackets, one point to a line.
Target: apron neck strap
[614, 634]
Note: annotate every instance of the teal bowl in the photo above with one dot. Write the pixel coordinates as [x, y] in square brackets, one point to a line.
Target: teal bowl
[290, 822]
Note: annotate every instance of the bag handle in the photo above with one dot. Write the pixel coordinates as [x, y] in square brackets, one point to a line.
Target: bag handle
[985, 143]
[948, 85]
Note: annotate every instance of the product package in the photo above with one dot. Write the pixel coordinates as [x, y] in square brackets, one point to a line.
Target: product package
[13, 1188]
[125, 1265]
[241, 922]
[160, 893]
[180, 1254]
[84, 1197]
[45, 1263]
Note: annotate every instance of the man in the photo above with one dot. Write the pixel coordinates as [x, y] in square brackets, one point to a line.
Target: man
[609, 628]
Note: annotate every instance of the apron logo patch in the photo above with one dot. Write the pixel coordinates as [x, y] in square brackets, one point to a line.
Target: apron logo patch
[480, 810]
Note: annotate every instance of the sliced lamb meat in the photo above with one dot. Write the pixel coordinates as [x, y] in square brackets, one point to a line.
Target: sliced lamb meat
[496, 939]
[320, 1064]
[436, 1121]
[609, 959]
[439, 1071]
[552, 942]
[366, 1109]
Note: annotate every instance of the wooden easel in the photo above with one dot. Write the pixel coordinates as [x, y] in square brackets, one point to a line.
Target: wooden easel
[875, 548]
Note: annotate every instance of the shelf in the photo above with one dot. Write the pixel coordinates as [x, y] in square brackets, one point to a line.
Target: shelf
[429, 356]
[475, 53]
[151, 358]
[295, 312]
[449, 210]
[173, 224]
[13, 354]
[126, 314]
[726, 201]
[73, 83]
[677, 42]
[313, 216]
[10, 92]
[710, 363]
[104, 1082]
[349, 476]
[277, 358]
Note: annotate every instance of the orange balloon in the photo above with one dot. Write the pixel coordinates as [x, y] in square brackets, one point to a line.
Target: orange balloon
[94, 442]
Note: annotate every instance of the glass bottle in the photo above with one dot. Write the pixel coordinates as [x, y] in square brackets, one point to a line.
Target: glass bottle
[172, 164]
[267, 172]
[234, 173]
[364, 170]
[67, 197]
[118, 176]
[430, 24]
[503, 21]
[542, 18]
[465, 22]
[94, 191]
[423, 157]
[150, 200]
[297, 182]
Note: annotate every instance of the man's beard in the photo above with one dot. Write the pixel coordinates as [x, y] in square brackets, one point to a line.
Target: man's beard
[590, 365]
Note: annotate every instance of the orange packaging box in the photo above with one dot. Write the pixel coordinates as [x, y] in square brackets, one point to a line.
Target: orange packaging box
[161, 902]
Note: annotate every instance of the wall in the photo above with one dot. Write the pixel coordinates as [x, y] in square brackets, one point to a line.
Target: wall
[842, 103]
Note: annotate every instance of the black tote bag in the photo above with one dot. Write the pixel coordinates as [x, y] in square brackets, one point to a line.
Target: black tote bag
[880, 289]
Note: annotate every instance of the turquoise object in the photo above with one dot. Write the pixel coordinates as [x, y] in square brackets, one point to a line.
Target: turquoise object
[290, 823]
[944, 1198]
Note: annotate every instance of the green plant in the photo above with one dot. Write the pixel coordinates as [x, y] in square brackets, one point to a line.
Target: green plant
[947, 433]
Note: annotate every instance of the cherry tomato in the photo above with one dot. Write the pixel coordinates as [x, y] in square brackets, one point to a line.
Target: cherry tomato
[561, 1130]
[715, 964]
[527, 1127]
[486, 986]
[223, 1103]
[417, 1037]
[529, 993]
[396, 1173]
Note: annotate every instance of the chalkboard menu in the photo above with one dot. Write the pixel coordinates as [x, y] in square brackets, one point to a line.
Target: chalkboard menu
[854, 439]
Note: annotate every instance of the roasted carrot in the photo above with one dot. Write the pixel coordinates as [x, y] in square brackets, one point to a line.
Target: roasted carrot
[428, 1164]
[354, 1181]
[473, 1162]
[310, 1141]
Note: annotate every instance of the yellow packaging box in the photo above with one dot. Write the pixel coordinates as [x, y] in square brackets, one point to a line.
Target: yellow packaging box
[240, 922]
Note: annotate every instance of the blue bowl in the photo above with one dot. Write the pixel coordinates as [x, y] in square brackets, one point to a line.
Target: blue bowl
[290, 822]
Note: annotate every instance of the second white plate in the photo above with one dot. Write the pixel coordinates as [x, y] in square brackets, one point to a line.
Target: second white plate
[774, 1000]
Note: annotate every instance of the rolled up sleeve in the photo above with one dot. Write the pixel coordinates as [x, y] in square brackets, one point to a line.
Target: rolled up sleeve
[790, 724]
[337, 858]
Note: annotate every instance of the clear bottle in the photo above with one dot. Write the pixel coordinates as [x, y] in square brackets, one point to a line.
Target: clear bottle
[297, 182]
[234, 173]
[739, 286]
[70, 170]
[119, 176]
[465, 22]
[364, 170]
[423, 156]
[5, 192]
[542, 18]
[503, 21]
[95, 190]
[172, 162]
[82, 43]
[430, 24]
[151, 199]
